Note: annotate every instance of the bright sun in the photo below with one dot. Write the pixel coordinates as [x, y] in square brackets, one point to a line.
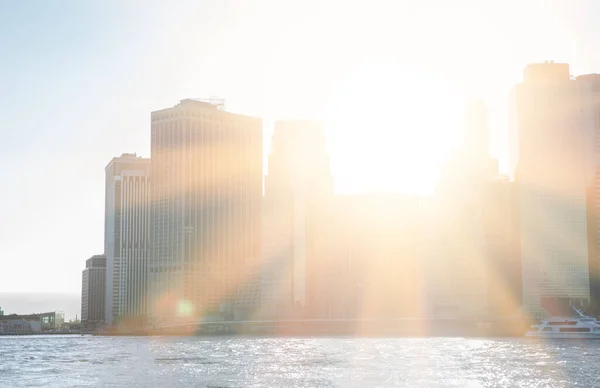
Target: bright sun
[390, 129]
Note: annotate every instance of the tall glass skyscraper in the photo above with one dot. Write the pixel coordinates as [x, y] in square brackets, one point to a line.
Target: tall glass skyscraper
[127, 231]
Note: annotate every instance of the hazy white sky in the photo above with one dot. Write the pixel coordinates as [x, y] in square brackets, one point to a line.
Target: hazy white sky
[78, 81]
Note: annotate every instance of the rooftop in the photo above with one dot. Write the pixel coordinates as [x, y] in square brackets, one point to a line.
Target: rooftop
[214, 102]
[546, 72]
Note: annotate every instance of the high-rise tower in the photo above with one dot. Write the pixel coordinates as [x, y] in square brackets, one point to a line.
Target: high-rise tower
[552, 131]
[206, 206]
[298, 180]
[126, 242]
[458, 256]
[593, 199]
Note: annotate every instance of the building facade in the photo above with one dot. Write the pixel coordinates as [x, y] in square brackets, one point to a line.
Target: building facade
[30, 323]
[364, 258]
[456, 249]
[503, 255]
[93, 290]
[457, 252]
[298, 180]
[127, 235]
[593, 200]
[19, 326]
[206, 208]
[553, 124]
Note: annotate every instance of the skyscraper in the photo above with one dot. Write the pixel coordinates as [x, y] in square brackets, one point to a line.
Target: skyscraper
[298, 180]
[593, 199]
[126, 242]
[206, 207]
[459, 256]
[458, 250]
[93, 285]
[552, 130]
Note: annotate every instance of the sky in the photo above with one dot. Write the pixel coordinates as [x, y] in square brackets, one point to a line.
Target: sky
[78, 80]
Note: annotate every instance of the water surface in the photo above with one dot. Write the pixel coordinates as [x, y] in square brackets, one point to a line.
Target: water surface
[75, 361]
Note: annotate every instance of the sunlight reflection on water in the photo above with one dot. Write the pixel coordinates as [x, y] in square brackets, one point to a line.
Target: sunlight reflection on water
[303, 362]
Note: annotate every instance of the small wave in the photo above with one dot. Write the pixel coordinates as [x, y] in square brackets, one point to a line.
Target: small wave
[184, 360]
[321, 362]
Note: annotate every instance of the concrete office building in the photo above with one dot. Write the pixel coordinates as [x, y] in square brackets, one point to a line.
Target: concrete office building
[206, 208]
[93, 290]
[127, 231]
[553, 125]
[298, 179]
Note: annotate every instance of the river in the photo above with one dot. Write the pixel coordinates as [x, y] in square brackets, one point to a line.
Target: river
[75, 361]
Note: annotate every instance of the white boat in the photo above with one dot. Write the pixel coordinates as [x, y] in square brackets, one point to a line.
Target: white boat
[577, 327]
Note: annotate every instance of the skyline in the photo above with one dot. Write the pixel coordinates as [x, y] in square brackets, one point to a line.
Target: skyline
[68, 111]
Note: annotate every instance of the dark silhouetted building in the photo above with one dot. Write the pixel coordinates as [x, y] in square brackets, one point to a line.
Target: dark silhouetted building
[93, 289]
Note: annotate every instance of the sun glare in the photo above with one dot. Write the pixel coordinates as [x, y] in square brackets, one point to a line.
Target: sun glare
[390, 129]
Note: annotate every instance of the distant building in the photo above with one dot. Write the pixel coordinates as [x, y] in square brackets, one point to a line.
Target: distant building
[19, 326]
[298, 180]
[93, 289]
[471, 250]
[127, 235]
[553, 121]
[206, 208]
[28, 324]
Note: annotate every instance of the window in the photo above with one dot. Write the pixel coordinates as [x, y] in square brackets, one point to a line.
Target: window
[574, 330]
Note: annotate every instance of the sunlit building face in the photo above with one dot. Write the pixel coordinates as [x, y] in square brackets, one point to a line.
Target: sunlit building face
[206, 201]
[553, 125]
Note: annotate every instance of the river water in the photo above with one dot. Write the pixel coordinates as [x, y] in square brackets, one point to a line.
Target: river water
[75, 361]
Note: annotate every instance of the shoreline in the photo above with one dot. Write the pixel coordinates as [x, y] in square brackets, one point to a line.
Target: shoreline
[267, 335]
[38, 334]
[323, 328]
